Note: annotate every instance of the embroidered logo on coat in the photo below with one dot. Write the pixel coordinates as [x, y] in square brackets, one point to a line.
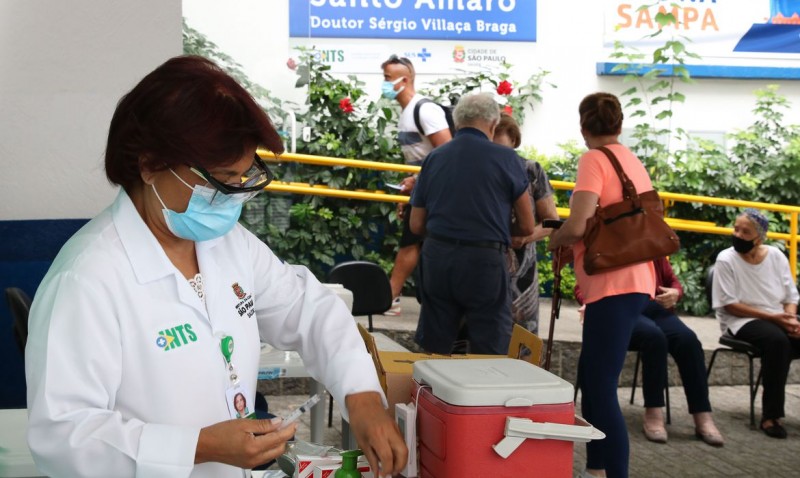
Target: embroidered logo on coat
[245, 304]
[237, 289]
[175, 337]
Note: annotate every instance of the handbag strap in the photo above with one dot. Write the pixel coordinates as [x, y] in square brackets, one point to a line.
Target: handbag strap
[628, 189]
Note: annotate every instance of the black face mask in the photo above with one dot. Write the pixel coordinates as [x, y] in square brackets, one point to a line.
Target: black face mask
[741, 246]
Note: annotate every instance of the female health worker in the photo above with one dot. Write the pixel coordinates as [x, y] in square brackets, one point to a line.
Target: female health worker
[150, 320]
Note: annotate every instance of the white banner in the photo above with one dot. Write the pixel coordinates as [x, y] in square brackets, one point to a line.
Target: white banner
[725, 33]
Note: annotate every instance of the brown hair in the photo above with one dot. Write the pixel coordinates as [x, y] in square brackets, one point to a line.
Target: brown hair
[601, 114]
[187, 111]
[508, 126]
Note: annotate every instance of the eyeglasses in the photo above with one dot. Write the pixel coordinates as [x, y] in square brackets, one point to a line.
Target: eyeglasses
[394, 60]
[252, 182]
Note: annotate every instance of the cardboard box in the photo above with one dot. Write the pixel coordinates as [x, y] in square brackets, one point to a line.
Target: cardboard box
[395, 368]
[327, 471]
[307, 463]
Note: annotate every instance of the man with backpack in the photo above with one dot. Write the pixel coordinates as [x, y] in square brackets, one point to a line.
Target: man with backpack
[423, 126]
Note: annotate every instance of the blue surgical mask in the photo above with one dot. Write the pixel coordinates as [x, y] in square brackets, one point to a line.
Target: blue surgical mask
[202, 221]
[388, 91]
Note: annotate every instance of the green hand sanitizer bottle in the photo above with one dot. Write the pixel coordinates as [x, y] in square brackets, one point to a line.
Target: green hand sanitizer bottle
[349, 467]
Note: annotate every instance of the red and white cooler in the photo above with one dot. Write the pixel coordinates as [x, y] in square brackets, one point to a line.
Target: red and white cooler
[495, 418]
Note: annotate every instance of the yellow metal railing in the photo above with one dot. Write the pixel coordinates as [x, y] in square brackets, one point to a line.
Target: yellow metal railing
[703, 227]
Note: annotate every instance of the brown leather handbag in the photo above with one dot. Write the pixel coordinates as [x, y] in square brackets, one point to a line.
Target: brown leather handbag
[629, 232]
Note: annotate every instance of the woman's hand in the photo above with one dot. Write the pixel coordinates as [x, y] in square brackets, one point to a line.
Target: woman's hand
[519, 241]
[376, 434]
[789, 323]
[244, 443]
[582, 207]
[667, 297]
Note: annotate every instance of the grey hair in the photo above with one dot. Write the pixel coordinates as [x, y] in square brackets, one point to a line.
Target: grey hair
[476, 108]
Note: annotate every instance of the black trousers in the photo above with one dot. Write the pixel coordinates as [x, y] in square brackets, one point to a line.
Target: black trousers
[777, 351]
[659, 331]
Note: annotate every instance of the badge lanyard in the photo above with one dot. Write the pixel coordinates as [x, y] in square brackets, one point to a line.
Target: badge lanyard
[226, 347]
[236, 394]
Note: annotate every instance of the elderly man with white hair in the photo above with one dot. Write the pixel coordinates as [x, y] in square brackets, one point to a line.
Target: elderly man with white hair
[462, 204]
[755, 298]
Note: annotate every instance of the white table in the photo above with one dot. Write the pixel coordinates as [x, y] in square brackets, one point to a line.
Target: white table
[281, 364]
[15, 456]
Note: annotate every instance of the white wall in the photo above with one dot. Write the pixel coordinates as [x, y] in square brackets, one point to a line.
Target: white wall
[570, 41]
[64, 66]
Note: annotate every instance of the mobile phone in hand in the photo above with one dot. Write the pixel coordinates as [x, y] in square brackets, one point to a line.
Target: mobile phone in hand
[552, 223]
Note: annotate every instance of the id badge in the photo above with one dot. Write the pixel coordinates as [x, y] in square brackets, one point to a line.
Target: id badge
[238, 404]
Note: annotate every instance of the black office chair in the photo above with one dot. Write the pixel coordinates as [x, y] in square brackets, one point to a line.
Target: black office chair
[372, 293]
[20, 304]
[732, 345]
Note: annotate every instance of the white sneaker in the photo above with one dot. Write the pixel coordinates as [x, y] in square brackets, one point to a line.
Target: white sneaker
[395, 309]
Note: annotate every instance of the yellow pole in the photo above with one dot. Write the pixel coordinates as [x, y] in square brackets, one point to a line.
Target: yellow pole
[793, 244]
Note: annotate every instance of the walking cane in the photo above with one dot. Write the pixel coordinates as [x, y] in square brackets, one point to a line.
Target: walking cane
[555, 308]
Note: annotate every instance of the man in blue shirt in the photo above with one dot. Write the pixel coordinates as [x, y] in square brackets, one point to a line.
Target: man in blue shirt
[462, 203]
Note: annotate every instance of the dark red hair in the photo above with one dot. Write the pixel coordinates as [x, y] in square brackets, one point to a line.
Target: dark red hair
[601, 114]
[186, 111]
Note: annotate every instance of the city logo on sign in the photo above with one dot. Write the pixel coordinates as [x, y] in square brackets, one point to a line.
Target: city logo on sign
[459, 54]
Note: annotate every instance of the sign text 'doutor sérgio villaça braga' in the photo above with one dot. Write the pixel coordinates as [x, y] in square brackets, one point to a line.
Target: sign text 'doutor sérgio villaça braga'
[488, 20]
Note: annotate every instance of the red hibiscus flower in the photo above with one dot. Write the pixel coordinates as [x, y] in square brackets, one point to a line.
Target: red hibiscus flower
[507, 109]
[345, 105]
[504, 88]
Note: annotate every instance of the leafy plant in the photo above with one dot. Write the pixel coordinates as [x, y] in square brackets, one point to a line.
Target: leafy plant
[344, 123]
[518, 96]
[763, 165]
[654, 92]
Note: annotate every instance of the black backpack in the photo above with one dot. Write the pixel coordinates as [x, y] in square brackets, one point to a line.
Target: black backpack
[448, 114]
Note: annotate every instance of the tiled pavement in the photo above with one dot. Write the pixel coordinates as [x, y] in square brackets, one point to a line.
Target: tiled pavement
[747, 453]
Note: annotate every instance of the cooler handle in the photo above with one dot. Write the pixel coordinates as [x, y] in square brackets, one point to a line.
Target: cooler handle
[519, 429]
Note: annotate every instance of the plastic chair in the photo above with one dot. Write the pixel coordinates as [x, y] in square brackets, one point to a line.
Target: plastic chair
[372, 293]
[732, 345]
[20, 304]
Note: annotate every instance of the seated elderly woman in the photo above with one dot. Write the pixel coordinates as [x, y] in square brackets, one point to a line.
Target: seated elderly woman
[755, 299]
[657, 332]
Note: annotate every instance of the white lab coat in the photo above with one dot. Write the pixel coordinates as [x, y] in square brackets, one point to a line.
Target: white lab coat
[106, 398]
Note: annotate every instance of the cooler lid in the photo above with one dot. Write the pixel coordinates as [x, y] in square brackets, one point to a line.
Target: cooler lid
[492, 382]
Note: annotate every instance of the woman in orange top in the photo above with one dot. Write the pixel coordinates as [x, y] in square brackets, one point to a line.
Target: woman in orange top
[613, 299]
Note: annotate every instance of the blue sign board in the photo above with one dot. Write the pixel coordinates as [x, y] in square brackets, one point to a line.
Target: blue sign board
[483, 20]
